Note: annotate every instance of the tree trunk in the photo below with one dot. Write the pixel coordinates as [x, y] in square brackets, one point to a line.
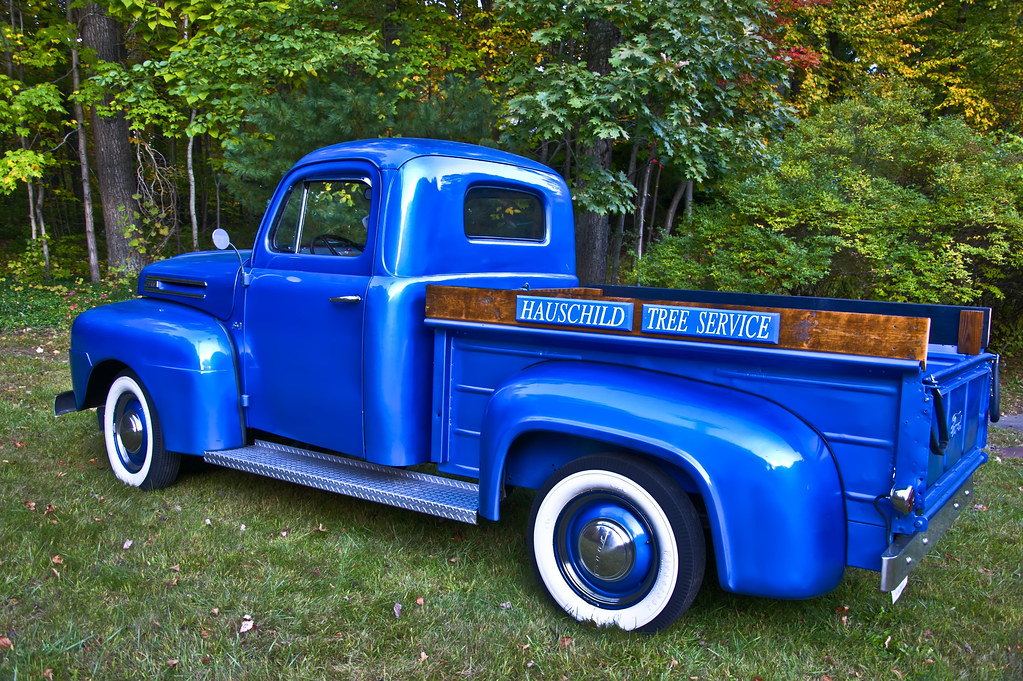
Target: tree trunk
[115, 170]
[191, 186]
[42, 228]
[676, 198]
[592, 229]
[616, 244]
[83, 162]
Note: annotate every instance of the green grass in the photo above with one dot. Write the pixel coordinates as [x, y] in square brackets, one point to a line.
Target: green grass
[320, 574]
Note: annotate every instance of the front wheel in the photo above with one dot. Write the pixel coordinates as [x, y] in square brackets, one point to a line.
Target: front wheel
[134, 438]
[615, 541]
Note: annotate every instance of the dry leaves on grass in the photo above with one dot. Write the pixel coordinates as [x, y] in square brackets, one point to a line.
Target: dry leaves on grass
[247, 624]
[397, 611]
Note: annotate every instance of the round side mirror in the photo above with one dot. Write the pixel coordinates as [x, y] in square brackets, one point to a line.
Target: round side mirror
[221, 239]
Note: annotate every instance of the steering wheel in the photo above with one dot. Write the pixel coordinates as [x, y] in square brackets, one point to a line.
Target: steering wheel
[336, 244]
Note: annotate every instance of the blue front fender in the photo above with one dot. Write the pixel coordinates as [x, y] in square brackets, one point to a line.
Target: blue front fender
[183, 356]
[769, 482]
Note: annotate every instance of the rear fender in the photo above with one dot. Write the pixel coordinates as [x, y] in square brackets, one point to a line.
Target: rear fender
[185, 358]
[769, 483]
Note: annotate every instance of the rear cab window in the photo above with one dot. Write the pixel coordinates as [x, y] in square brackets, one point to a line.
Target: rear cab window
[506, 214]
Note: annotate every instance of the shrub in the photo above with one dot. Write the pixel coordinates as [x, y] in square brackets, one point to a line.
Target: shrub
[867, 199]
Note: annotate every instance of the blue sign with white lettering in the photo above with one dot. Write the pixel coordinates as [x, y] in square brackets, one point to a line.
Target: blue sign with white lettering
[593, 314]
[701, 322]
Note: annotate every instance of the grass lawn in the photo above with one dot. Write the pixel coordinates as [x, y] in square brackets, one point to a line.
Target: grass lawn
[226, 575]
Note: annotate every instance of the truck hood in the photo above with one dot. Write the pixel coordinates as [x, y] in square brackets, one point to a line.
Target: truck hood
[205, 281]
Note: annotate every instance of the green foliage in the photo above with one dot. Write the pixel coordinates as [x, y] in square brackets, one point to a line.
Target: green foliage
[697, 82]
[868, 199]
[338, 108]
[55, 304]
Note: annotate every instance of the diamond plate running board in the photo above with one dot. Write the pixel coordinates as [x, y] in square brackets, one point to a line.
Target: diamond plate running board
[444, 497]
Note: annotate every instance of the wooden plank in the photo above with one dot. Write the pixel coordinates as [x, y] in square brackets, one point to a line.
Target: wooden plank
[971, 332]
[944, 318]
[848, 333]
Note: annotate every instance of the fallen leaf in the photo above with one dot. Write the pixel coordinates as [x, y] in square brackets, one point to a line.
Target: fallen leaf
[506, 605]
[247, 624]
[50, 508]
[422, 657]
[127, 544]
[207, 659]
[980, 507]
[215, 611]
[886, 642]
[985, 571]
[565, 641]
[841, 609]
[55, 573]
[674, 662]
[48, 675]
[320, 528]
[57, 560]
[31, 505]
[829, 659]
[530, 664]
[205, 634]
[175, 568]
[845, 620]
[172, 663]
[397, 610]
[419, 601]
[5, 643]
[173, 582]
[93, 460]
[525, 646]
[453, 560]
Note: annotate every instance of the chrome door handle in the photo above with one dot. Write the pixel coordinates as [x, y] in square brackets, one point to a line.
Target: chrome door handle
[346, 299]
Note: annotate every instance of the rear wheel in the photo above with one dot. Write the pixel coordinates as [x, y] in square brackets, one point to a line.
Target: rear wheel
[615, 541]
[134, 438]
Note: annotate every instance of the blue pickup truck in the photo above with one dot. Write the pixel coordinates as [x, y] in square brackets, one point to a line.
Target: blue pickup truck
[408, 328]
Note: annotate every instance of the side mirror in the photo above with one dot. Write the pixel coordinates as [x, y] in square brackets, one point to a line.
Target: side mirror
[221, 239]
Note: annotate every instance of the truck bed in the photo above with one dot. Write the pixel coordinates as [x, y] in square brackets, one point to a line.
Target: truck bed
[900, 393]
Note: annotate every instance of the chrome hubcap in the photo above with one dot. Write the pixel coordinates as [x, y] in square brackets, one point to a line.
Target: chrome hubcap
[130, 431]
[606, 550]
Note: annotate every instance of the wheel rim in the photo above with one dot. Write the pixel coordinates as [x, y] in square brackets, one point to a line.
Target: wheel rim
[131, 433]
[606, 550]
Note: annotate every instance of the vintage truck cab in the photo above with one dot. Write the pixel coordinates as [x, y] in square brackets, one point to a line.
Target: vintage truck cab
[414, 302]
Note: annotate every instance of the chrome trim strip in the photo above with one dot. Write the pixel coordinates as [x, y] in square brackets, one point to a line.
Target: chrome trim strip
[156, 284]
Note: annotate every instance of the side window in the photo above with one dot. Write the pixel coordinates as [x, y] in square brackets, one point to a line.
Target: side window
[500, 213]
[325, 217]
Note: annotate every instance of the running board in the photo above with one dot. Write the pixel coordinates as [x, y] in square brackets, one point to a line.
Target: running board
[432, 494]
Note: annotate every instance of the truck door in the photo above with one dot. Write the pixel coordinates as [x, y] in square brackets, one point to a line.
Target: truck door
[303, 324]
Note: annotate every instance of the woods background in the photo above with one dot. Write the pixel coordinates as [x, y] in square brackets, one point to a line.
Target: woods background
[859, 148]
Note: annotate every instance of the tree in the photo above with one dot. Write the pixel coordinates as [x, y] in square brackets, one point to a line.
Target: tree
[967, 53]
[695, 85]
[867, 199]
[115, 167]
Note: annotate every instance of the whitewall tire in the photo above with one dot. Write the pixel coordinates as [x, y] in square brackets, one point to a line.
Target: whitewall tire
[134, 437]
[614, 540]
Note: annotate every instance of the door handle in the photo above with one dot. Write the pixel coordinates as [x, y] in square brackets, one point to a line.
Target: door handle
[346, 299]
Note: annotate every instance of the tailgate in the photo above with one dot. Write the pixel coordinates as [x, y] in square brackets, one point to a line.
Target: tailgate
[960, 391]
